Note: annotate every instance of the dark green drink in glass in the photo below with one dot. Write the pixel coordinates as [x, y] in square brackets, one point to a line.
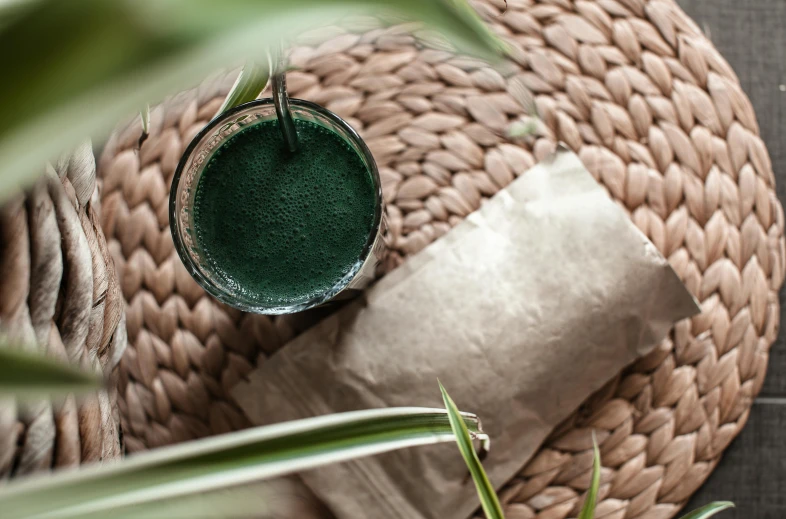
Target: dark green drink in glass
[270, 230]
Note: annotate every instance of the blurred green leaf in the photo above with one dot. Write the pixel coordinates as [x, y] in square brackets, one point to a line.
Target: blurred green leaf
[588, 510]
[708, 510]
[24, 374]
[75, 68]
[144, 115]
[10, 9]
[280, 498]
[251, 81]
[226, 461]
[522, 128]
[486, 492]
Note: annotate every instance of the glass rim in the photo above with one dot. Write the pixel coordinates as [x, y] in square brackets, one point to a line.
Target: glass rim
[221, 293]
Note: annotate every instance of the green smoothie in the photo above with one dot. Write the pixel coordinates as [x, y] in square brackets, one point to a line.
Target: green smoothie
[280, 227]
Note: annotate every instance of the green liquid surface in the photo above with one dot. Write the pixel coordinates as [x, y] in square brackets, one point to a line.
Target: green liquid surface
[278, 227]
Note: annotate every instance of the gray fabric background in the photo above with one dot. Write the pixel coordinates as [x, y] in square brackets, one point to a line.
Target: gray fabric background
[751, 35]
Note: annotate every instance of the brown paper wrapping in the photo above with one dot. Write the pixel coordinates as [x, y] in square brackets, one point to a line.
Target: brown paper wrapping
[522, 311]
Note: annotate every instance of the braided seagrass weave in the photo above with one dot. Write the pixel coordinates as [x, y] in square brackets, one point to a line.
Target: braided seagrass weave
[655, 114]
[60, 292]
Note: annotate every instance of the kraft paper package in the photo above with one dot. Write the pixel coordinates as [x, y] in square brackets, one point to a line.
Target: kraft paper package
[522, 311]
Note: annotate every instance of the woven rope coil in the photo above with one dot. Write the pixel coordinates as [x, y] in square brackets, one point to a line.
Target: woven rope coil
[653, 111]
[60, 292]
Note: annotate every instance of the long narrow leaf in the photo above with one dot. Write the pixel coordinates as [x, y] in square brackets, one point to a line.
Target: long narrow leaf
[708, 510]
[24, 374]
[9, 9]
[226, 461]
[78, 67]
[588, 510]
[144, 115]
[251, 81]
[486, 492]
[279, 498]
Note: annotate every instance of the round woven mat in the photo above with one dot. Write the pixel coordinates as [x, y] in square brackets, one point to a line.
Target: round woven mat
[655, 114]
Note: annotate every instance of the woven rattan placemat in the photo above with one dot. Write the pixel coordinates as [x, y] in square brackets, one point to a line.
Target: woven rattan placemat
[656, 115]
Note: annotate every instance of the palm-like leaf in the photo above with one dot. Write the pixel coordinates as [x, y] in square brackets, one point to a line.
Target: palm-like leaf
[144, 115]
[708, 510]
[251, 81]
[588, 510]
[77, 67]
[226, 461]
[24, 374]
[486, 492]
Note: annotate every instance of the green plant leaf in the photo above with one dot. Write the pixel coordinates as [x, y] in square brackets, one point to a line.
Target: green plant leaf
[486, 492]
[144, 116]
[24, 374]
[10, 9]
[272, 499]
[588, 510]
[79, 67]
[708, 510]
[226, 461]
[522, 129]
[251, 81]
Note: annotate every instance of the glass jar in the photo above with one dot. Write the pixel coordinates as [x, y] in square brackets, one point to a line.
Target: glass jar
[184, 188]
